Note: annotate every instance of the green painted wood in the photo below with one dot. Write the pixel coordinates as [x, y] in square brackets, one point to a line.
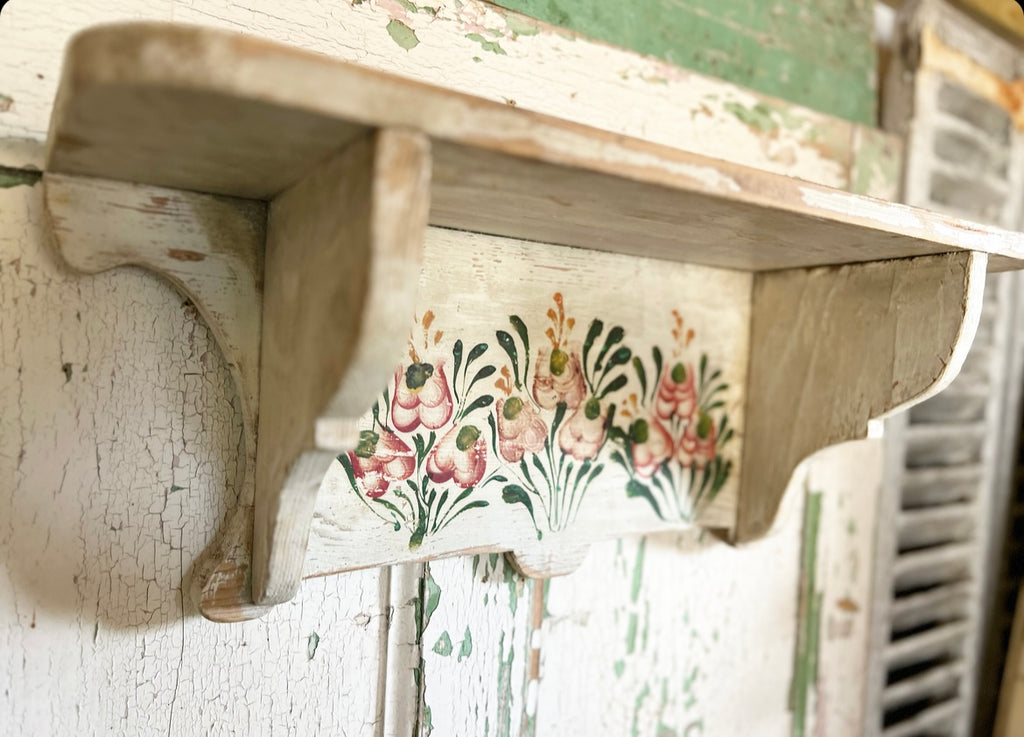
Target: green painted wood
[817, 53]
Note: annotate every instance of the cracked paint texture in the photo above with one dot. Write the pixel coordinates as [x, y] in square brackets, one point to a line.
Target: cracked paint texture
[114, 480]
[120, 432]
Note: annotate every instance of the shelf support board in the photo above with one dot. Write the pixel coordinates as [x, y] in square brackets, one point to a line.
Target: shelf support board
[344, 246]
[211, 249]
[834, 347]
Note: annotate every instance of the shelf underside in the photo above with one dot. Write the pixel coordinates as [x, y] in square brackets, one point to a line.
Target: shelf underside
[207, 111]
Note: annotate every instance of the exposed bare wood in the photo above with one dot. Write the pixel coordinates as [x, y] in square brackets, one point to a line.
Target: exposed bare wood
[269, 113]
[832, 348]
[342, 263]
[1010, 717]
[957, 66]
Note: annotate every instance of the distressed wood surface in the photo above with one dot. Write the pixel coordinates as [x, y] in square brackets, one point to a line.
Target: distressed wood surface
[343, 255]
[532, 66]
[211, 249]
[120, 451]
[583, 187]
[833, 348]
[472, 47]
[818, 54]
[1010, 717]
[492, 316]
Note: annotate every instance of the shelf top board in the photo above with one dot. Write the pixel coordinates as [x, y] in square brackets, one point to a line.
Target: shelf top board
[212, 111]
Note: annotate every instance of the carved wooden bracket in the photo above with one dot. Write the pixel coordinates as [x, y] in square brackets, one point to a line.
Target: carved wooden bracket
[607, 337]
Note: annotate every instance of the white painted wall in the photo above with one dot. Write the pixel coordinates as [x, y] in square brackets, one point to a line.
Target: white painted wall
[119, 433]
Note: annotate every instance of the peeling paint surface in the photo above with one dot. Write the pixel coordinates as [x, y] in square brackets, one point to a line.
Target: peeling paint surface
[818, 54]
[112, 485]
[10, 177]
[402, 35]
[117, 470]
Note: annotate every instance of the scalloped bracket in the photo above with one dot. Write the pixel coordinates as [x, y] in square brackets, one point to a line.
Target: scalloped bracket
[825, 309]
[344, 247]
[835, 347]
[340, 242]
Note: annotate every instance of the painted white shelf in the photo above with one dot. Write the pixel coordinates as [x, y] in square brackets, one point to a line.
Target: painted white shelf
[309, 208]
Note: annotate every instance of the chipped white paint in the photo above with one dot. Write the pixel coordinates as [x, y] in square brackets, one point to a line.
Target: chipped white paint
[895, 215]
[850, 481]
[120, 433]
[88, 464]
[542, 69]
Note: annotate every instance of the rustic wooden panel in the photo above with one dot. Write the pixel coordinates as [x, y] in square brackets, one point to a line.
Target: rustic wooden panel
[470, 46]
[120, 447]
[818, 54]
[490, 345]
[579, 186]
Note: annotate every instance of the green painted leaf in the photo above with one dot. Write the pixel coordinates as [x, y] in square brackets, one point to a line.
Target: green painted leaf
[596, 326]
[641, 374]
[457, 360]
[494, 430]
[478, 350]
[478, 504]
[636, 490]
[482, 374]
[524, 336]
[615, 335]
[560, 409]
[509, 346]
[479, 403]
[656, 353]
[440, 506]
[621, 356]
[391, 507]
[515, 494]
[614, 385]
[346, 463]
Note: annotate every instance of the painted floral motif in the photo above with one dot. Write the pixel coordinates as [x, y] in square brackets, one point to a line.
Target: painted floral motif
[651, 445]
[403, 473]
[380, 459]
[520, 427]
[437, 436]
[671, 447]
[573, 386]
[460, 456]
[421, 397]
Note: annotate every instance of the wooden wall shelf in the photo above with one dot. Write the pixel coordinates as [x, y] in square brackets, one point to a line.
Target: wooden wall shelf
[456, 326]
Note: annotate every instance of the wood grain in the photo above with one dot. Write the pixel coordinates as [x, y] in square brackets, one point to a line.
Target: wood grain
[1010, 717]
[832, 348]
[132, 90]
[342, 257]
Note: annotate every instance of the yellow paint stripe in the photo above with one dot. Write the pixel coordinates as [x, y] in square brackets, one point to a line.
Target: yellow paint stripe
[956, 66]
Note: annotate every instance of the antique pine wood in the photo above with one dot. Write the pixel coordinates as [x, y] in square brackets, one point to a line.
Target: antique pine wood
[349, 159]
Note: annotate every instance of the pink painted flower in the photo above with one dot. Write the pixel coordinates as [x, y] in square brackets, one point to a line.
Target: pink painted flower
[651, 446]
[583, 434]
[459, 456]
[676, 393]
[697, 446]
[422, 397]
[520, 429]
[558, 377]
[379, 460]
